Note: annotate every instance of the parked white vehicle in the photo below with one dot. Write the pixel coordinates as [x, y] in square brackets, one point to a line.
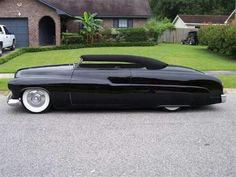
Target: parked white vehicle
[7, 39]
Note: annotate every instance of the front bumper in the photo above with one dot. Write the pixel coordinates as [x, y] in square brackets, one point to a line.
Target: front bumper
[223, 98]
[13, 102]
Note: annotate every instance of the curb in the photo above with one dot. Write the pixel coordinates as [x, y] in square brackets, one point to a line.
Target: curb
[229, 90]
[7, 76]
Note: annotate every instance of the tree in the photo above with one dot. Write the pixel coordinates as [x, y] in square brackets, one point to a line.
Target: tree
[90, 24]
[170, 8]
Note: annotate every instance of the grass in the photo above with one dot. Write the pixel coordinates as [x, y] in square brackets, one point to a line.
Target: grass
[197, 57]
[3, 84]
[228, 81]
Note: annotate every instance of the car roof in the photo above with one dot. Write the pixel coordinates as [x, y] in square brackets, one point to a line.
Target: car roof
[144, 61]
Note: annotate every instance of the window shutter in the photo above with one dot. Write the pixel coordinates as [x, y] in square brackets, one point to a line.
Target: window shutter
[115, 23]
[130, 23]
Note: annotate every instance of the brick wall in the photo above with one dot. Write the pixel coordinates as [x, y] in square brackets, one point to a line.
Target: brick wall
[34, 11]
[107, 23]
[139, 22]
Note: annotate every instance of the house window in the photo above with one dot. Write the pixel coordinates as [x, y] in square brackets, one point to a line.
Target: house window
[123, 23]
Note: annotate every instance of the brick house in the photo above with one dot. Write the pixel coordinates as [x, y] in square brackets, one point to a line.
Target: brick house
[40, 22]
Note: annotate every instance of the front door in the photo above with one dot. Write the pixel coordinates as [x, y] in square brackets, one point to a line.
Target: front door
[100, 86]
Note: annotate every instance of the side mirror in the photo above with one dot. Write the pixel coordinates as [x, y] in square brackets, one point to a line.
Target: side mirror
[1, 32]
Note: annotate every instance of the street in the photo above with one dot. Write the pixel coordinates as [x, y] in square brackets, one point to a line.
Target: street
[197, 142]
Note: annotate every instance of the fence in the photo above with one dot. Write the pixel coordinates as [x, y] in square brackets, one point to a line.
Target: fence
[174, 36]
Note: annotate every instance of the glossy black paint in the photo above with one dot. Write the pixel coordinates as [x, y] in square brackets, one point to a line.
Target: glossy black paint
[82, 86]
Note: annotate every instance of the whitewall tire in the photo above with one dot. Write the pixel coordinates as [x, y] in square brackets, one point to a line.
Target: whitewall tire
[36, 100]
[172, 109]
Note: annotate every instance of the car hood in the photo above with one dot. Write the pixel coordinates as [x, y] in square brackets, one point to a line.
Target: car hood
[46, 71]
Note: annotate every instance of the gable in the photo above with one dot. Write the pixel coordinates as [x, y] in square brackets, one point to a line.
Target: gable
[203, 19]
[231, 17]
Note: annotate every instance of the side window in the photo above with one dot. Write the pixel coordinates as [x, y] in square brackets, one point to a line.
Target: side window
[6, 30]
[1, 32]
[122, 23]
[109, 65]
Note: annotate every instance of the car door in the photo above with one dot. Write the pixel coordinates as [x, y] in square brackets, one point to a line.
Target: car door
[147, 89]
[100, 86]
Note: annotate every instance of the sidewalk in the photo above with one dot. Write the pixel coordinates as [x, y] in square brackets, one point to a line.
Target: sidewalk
[216, 73]
[6, 76]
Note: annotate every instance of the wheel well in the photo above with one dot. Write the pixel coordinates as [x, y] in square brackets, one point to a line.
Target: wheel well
[1, 44]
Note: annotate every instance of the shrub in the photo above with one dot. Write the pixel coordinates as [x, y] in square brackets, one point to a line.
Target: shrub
[12, 55]
[129, 35]
[155, 28]
[221, 39]
[72, 38]
[134, 34]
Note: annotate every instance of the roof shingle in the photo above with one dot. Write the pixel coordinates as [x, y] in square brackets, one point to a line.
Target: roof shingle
[204, 19]
[104, 8]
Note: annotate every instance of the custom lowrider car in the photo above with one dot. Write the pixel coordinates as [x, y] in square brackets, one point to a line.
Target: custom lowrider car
[107, 81]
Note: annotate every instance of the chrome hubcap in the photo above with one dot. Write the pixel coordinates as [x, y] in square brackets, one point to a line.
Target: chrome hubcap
[169, 108]
[36, 98]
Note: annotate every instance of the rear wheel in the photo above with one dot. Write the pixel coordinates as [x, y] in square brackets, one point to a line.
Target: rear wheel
[172, 108]
[36, 100]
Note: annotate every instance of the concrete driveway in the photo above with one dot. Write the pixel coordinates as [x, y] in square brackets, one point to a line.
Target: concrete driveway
[6, 51]
[198, 142]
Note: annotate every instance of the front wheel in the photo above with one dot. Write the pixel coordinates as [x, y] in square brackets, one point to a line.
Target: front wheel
[13, 47]
[36, 100]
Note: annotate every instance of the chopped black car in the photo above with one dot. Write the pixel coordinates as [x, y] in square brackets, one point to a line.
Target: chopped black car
[113, 81]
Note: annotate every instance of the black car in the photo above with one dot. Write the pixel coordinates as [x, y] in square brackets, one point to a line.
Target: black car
[192, 39]
[107, 81]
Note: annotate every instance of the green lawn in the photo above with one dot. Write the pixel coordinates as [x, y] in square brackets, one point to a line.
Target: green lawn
[3, 84]
[192, 56]
[228, 81]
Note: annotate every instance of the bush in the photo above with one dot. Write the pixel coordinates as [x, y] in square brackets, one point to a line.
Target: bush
[221, 39]
[129, 35]
[134, 34]
[12, 55]
[155, 28]
[72, 38]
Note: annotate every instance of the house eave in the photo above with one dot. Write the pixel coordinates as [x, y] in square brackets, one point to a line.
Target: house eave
[203, 24]
[125, 16]
[58, 11]
[230, 16]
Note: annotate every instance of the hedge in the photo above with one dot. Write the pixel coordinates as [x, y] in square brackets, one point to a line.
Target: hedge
[129, 35]
[21, 51]
[221, 39]
[72, 38]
